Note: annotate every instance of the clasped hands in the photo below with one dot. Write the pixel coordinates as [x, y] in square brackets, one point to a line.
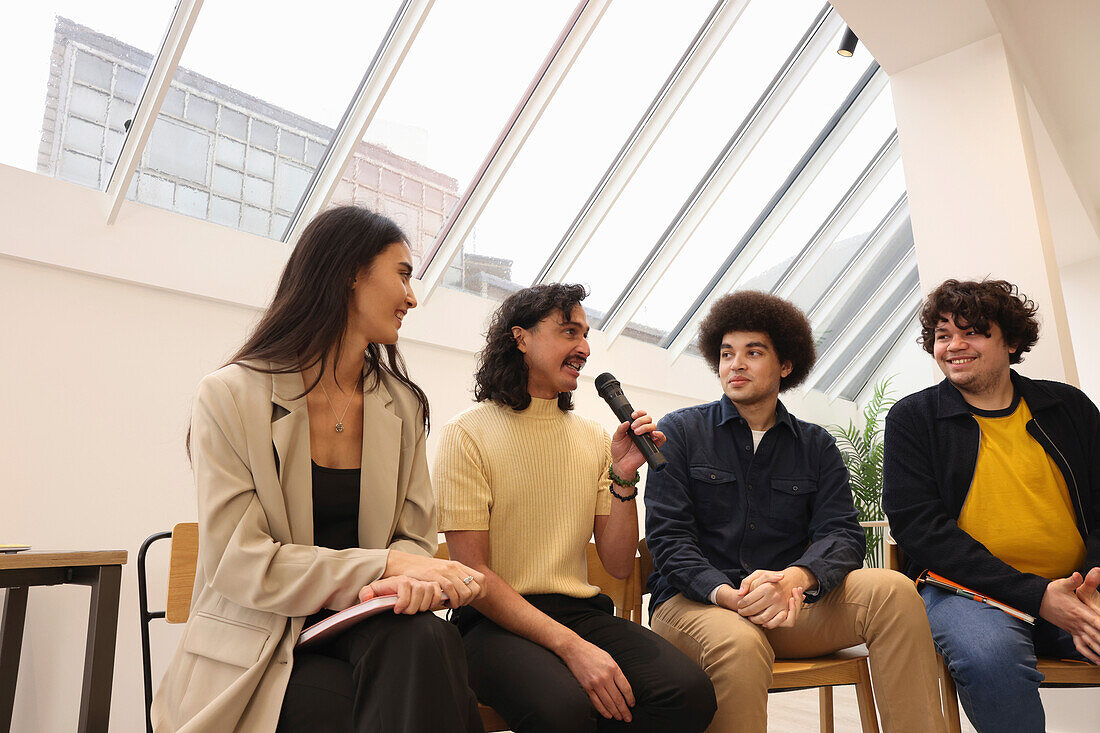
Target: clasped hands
[1073, 604]
[769, 598]
[425, 583]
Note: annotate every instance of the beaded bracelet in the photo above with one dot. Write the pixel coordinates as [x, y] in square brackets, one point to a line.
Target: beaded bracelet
[625, 483]
[623, 499]
[616, 479]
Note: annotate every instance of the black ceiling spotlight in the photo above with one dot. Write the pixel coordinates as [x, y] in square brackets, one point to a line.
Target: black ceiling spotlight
[848, 43]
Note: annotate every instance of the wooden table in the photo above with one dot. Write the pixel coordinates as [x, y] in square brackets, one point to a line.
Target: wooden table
[102, 570]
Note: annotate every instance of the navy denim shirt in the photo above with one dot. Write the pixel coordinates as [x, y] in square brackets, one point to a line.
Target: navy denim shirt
[719, 511]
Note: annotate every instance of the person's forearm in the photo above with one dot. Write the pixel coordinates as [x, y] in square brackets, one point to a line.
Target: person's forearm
[509, 610]
[617, 543]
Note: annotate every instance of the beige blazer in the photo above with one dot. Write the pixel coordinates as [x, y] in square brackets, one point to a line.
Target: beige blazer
[259, 574]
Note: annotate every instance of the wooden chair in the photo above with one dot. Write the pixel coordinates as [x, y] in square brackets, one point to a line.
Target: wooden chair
[622, 591]
[846, 667]
[1057, 672]
[183, 558]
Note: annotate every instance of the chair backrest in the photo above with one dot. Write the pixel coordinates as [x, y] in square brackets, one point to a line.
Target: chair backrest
[624, 592]
[181, 572]
[645, 568]
[893, 555]
[620, 590]
[182, 561]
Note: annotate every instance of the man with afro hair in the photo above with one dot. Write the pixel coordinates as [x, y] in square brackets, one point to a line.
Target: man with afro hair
[992, 480]
[755, 538]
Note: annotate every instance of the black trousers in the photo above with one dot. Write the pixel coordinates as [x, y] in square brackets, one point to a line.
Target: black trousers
[534, 691]
[389, 674]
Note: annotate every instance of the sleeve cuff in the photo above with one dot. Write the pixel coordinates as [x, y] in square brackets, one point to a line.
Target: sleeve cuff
[820, 572]
[456, 521]
[706, 583]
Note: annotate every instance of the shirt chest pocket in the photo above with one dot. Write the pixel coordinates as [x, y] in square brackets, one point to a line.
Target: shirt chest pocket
[791, 500]
[714, 492]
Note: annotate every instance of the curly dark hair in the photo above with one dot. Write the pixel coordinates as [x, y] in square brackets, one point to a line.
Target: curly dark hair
[750, 310]
[974, 304]
[501, 374]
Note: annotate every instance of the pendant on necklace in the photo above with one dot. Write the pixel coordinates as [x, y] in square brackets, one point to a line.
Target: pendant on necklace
[339, 427]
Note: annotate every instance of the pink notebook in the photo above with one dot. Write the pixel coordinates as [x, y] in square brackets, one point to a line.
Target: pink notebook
[337, 622]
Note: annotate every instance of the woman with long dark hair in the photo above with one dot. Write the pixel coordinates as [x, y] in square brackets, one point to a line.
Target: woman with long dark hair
[313, 493]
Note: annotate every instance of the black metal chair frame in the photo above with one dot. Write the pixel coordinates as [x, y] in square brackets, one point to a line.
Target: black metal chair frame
[147, 616]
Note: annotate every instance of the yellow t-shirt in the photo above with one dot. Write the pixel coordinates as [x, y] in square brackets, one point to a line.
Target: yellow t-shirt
[535, 480]
[1018, 505]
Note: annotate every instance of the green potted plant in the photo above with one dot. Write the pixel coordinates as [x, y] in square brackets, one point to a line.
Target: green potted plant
[862, 449]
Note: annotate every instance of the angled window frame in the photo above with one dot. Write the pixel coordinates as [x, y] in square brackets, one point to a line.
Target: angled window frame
[568, 46]
[870, 311]
[814, 43]
[859, 264]
[865, 184]
[147, 109]
[702, 49]
[825, 144]
[844, 387]
[388, 57]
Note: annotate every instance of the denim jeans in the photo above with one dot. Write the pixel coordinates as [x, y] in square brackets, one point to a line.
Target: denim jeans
[992, 657]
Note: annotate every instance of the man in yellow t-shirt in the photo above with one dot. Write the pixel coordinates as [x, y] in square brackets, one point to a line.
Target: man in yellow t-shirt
[522, 483]
[992, 480]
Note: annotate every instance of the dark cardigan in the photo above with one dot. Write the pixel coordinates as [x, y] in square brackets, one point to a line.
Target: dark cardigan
[931, 451]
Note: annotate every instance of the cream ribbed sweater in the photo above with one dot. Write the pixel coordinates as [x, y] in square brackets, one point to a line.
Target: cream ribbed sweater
[535, 480]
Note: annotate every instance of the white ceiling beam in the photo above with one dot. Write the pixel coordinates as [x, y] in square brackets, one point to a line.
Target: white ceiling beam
[502, 153]
[157, 82]
[860, 264]
[901, 316]
[867, 313]
[653, 122]
[360, 112]
[721, 172]
[755, 240]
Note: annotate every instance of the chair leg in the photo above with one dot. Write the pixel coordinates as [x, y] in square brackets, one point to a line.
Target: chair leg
[949, 699]
[865, 699]
[825, 708]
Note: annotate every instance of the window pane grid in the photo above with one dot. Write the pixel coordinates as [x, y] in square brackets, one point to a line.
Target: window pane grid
[867, 332]
[597, 106]
[759, 178]
[756, 47]
[237, 149]
[91, 83]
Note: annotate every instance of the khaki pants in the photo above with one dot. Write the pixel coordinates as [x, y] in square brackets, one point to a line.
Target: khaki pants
[880, 608]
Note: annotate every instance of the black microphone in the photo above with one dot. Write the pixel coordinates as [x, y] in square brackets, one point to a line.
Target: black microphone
[609, 388]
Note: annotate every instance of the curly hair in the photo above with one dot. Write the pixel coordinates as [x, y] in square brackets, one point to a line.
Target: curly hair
[501, 374]
[974, 304]
[750, 310]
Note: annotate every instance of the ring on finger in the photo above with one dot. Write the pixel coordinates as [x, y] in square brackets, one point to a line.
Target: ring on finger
[468, 579]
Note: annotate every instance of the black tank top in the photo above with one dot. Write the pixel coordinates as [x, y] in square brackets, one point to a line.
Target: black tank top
[336, 507]
[335, 514]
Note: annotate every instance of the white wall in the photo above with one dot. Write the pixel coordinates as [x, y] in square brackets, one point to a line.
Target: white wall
[1081, 284]
[98, 378]
[103, 347]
